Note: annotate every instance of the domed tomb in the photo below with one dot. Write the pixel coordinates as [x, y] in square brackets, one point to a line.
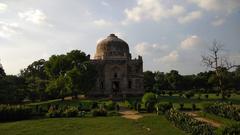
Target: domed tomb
[112, 47]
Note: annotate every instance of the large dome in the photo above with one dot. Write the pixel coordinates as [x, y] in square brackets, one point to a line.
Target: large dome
[112, 47]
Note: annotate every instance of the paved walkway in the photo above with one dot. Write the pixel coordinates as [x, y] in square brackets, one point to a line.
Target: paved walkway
[129, 114]
[195, 115]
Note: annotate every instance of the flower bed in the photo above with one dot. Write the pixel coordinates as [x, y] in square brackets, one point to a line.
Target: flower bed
[188, 123]
[224, 110]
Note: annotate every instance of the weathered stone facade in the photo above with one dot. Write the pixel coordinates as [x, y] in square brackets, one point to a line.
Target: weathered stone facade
[118, 73]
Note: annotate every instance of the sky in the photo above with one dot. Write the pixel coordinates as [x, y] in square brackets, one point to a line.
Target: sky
[169, 34]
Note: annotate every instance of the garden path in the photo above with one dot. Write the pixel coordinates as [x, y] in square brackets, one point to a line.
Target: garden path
[129, 114]
[195, 115]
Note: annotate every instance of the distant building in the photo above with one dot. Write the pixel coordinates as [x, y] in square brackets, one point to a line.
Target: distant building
[118, 73]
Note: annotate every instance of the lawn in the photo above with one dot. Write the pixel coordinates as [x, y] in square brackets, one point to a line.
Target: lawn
[149, 125]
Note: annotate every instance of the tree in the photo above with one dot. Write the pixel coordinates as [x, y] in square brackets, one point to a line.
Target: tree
[2, 72]
[12, 89]
[160, 82]
[60, 87]
[149, 80]
[174, 79]
[219, 63]
[36, 79]
[83, 78]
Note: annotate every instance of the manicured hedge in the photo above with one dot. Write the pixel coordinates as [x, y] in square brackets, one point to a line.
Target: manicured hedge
[188, 123]
[14, 112]
[224, 110]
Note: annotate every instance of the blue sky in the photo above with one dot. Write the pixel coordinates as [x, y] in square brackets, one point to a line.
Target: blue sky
[169, 34]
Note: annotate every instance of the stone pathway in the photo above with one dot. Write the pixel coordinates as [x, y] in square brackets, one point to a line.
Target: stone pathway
[209, 121]
[129, 114]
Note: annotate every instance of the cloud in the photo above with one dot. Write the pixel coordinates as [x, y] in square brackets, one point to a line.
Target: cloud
[35, 16]
[218, 22]
[3, 7]
[190, 17]
[169, 58]
[8, 29]
[152, 10]
[149, 49]
[102, 23]
[104, 3]
[191, 42]
[227, 6]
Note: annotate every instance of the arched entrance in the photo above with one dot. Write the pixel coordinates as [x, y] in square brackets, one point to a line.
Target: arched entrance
[116, 87]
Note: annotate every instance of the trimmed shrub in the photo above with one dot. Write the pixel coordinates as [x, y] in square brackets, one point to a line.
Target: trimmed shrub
[99, 112]
[150, 107]
[71, 112]
[162, 108]
[54, 113]
[14, 112]
[149, 100]
[149, 97]
[110, 105]
[181, 106]
[224, 110]
[189, 94]
[94, 105]
[194, 107]
[188, 123]
[232, 130]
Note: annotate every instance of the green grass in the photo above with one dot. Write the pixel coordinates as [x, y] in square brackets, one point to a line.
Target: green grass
[89, 126]
[176, 100]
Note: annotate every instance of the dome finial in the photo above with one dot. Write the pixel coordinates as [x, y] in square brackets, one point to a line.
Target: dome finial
[112, 35]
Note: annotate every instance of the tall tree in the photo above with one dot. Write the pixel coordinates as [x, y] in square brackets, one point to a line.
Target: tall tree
[219, 63]
[174, 79]
[36, 79]
[2, 72]
[149, 80]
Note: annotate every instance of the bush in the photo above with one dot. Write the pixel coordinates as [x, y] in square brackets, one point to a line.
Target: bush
[149, 98]
[71, 112]
[94, 105]
[232, 130]
[194, 107]
[113, 113]
[170, 93]
[189, 94]
[99, 112]
[162, 108]
[54, 113]
[224, 110]
[150, 107]
[188, 123]
[181, 106]
[14, 112]
[110, 105]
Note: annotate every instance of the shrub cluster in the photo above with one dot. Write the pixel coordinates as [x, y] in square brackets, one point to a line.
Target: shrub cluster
[149, 100]
[188, 123]
[163, 107]
[69, 111]
[224, 110]
[232, 130]
[99, 112]
[14, 112]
